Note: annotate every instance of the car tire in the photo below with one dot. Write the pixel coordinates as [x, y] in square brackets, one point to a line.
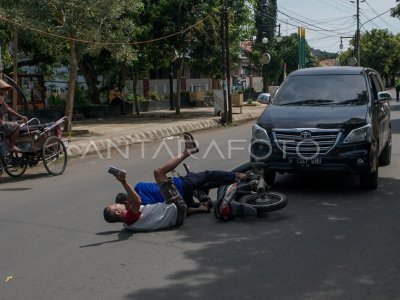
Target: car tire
[385, 157]
[369, 181]
[269, 177]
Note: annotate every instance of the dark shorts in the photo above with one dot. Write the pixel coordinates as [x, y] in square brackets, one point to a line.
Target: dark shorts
[8, 128]
[214, 179]
[171, 195]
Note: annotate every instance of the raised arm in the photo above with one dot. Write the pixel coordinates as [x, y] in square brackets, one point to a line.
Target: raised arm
[134, 201]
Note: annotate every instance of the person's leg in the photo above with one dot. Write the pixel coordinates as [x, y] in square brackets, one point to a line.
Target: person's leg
[13, 139]
[195, 181]
[167, 187]
[160, 174]
[397, 94]
[216, 178]
[172, 196]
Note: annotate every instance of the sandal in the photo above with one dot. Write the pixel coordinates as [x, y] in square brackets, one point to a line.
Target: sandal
[208, 203]
[205, 205]
[190, 143]
[15, 149]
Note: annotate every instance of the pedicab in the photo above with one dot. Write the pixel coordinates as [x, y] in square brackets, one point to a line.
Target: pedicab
[39, 143]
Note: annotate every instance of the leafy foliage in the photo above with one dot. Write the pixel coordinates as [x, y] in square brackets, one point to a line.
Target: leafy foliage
[380, 51]
[96, 25]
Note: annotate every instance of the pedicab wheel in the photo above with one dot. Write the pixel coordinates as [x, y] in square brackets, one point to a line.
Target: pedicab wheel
[268, 201]
[15, 165]
[54, 155]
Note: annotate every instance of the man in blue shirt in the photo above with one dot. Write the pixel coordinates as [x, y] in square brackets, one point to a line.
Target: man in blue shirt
[147, 206]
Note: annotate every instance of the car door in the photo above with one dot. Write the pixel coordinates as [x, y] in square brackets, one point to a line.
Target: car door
[381, 109]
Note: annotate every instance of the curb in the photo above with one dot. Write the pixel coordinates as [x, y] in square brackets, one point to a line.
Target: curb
[98, 146]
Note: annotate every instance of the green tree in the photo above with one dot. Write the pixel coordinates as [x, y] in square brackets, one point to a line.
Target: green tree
[70, 23]
[395, 71]
[396, 10]
[377, 51]
[167, 18]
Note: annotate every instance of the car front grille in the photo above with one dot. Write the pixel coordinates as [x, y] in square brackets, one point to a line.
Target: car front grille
[306, 142]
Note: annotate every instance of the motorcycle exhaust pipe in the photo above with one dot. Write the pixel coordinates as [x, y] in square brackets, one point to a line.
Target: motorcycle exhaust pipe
[261, 186]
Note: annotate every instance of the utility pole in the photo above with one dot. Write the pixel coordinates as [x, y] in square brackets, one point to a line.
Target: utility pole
[302, 47]
[358, 32]
[358, 36]
[228, 63]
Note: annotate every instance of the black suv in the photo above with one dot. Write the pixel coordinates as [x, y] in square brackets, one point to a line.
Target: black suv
[334, 119]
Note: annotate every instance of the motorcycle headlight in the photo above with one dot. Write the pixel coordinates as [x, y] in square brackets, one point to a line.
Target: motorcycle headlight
[362, 134]
[259, 133]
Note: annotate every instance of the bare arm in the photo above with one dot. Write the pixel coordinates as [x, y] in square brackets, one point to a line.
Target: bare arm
[13, 112]
[134, 201]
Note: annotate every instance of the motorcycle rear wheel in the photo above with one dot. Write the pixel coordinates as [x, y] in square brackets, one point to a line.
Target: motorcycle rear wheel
[268, 201]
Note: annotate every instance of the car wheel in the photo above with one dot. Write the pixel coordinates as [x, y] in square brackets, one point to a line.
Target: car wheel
[385, 157]
[369, 181]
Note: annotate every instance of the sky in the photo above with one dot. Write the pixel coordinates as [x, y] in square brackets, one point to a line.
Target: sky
[325, 21]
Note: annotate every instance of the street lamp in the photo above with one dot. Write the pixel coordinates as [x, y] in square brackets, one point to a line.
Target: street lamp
[278, 38]
[264, 41]
[264, 60]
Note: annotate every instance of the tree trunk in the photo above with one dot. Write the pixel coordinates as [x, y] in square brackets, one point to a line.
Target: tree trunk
[178, 86]
[69, 106]
[15, 70]
[134, 84]
[90, 75]
[121, 76]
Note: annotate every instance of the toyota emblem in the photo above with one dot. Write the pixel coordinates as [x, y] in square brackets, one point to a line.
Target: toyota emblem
[305, 135]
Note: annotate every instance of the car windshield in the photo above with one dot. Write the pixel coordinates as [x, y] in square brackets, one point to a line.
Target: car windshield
[323, 90]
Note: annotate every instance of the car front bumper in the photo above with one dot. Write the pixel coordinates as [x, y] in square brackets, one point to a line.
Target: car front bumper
[354, 159]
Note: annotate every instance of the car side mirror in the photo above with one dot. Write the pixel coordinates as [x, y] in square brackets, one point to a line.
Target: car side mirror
[384, 96]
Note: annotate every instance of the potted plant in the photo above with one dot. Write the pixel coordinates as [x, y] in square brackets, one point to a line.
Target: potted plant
[143, 103]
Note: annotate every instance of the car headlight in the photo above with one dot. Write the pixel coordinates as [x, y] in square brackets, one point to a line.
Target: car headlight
[259, 133]
[362, 134]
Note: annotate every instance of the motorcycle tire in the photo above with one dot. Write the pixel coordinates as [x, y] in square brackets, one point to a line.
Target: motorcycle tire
[268, 201]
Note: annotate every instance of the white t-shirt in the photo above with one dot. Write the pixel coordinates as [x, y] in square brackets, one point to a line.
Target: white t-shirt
[155, 216]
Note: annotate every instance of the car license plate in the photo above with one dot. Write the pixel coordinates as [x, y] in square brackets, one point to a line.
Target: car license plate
[303, 162]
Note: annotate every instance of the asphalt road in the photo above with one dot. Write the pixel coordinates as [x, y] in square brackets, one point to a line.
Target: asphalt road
[332, 241]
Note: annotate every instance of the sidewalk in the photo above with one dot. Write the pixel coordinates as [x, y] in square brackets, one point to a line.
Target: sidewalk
[96, 135]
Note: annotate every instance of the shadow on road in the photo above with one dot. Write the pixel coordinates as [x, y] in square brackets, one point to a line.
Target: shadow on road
[7, 179]
[121, 234]
[304, 259]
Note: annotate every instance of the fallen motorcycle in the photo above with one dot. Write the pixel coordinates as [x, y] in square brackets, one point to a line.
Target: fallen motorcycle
[249, 197]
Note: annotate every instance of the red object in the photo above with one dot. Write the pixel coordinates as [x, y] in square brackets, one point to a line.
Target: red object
[224, 211]
[131, 217]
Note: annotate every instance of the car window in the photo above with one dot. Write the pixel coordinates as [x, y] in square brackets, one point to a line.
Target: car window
[323, 90]
[376, 85]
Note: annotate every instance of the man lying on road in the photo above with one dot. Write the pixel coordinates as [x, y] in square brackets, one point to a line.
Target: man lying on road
[165, 205]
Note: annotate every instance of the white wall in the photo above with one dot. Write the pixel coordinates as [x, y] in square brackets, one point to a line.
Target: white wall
[161, 86]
